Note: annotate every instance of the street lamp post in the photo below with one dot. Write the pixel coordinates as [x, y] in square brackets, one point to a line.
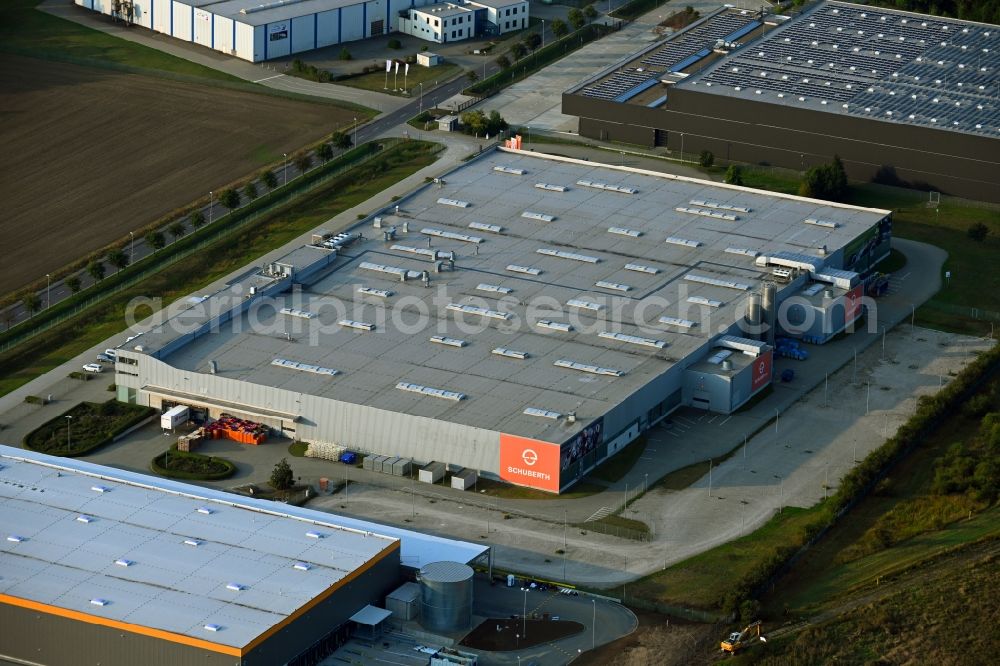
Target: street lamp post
[284, 176]
[421, 84]
[543, 33]
[524, 613]
[356, 130]
[69, 440]
[593, 626]
[131, 247]
[211, 205]
[48, 287]
[682, 146]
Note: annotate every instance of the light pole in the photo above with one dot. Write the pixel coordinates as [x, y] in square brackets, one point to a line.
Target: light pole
[524, 613]
[543, 33]
[593, 626]
[48, 286]
[356, 130]
[211, 205]
[284, 177]
[781, 492]
[69, 440]
[421, 84]
[131, 247]
[529, 134]
[682, 146]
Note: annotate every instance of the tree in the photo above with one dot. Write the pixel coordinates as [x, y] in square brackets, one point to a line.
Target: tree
[503, 62]
[706, 158]
[155, 240]
[73, 282]
[324, 151]
[590, 13]
[177, 229]
[495, 123]
[576, 19]
[559, 28]
[826, 181]
[532, 40]
[734, 175]
[118, 259]
[269, 179]
[197, 219]
[474, 122]
[230, 198]
[96, 270]
[303, 162]
[472, 76]
[978, 232]
[341, 140]
[250, 191]
[8, 318]
[282, 476]
[32, 302]
[518, 51]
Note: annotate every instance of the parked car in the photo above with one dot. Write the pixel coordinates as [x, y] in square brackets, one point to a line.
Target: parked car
[93, 367]
[113, 354]
[104, 358]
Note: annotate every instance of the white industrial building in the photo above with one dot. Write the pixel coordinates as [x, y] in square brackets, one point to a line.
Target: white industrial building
[258, 30]
[600, 299]
[444, 22]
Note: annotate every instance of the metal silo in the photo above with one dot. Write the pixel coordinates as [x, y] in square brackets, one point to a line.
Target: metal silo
[445, 596]
[769, 306]
[753, 316]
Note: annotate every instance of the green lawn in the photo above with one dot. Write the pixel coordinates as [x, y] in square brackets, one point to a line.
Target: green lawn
[28, 31]
[61, 343]
[508, 491]
[704, 581]
[429, 76]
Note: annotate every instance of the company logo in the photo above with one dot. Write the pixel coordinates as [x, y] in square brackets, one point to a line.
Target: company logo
[529, 462]
[762, 368]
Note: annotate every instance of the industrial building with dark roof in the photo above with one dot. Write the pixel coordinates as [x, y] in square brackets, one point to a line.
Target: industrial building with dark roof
[525, 317]
[901, 97]
[100, 565]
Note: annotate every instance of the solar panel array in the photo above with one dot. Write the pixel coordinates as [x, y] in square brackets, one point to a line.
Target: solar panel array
[890, 65]
[682, 46]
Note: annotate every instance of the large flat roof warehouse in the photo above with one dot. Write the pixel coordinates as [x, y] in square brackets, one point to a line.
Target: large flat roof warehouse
[878, 63]
[835, 57]
[575, 287]
[105, 545]
[255, 12]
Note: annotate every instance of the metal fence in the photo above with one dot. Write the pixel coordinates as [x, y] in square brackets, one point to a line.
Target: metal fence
[966, 311]
[220, 228]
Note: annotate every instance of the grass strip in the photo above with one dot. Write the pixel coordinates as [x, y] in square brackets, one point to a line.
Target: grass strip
[62, 342]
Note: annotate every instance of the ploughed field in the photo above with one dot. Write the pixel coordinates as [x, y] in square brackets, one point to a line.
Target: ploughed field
[90, 154]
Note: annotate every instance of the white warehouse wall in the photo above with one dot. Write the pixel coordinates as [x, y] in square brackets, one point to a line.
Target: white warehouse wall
[183, 15]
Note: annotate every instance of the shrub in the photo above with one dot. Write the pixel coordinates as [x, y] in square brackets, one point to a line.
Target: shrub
[394, 44]
[34, 400]
[978, 232]
[734, 175]
[194, 466]
[345, 54]
[827, 181]
[282, 476]
[706, 158]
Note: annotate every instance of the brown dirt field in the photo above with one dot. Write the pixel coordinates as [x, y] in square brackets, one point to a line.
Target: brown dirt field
[658, 641]
[90, 154]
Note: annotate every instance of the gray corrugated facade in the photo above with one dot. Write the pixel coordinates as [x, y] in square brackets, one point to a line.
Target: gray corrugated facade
[39, 637]
[741, 130]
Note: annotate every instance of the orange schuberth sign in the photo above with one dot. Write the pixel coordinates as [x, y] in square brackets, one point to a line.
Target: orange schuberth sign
[529, 462]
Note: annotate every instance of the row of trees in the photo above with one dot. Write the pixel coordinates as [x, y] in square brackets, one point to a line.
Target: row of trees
[118, 258]
[532, 40]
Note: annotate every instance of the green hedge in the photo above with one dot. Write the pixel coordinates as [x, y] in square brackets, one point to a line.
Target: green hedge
[215, 468]
[93, 425]
[635, 9]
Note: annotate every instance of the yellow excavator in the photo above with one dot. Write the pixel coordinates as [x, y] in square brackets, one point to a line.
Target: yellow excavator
[741, 639]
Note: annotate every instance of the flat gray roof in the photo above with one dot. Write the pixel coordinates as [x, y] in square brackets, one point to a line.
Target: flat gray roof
[684, 248]
[878, 63]
[176, 557]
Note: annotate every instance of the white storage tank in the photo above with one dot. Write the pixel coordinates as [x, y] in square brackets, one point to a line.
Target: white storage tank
[445, 596]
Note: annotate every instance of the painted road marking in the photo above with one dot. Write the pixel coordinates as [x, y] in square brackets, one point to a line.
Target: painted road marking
[600, 513]
[726, 419]
[269, 78]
